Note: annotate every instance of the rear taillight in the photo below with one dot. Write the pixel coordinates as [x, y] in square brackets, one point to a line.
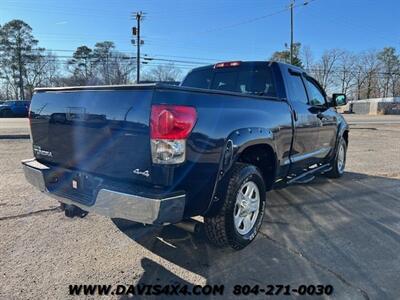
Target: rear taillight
[227, 64]
[170, 125]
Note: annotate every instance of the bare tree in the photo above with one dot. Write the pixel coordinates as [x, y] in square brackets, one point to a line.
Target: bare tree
[359, 77]
[389, 66]
[102, 55]
[42, 71]
[307, 58]
[371, 69]
[345, 71]
[167, 72]
[121, 67]
[324, 69]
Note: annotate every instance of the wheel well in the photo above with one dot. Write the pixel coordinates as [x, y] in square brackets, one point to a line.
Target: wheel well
[346, 136]
[263, 157]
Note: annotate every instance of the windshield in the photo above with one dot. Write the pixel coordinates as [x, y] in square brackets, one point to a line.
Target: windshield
[255, 80]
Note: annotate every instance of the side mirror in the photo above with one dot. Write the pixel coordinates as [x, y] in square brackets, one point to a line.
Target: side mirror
[339, 100]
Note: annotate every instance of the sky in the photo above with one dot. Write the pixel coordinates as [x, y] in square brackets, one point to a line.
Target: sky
[206, 31]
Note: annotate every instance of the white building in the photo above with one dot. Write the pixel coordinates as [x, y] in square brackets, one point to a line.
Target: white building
[375, 106]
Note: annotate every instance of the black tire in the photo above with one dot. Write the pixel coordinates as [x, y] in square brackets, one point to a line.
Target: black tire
[338, 169]
[220, 229]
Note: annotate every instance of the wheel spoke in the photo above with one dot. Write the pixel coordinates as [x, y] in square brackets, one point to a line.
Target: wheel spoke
[254, 206]
[250, 191]
[247, 223]
[245, 194]
[238, 221]
[341, 158]
[246, 207]
[238, 210]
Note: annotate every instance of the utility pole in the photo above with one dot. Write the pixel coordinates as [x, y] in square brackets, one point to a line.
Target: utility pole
[136, 31]
[291, 31]
[292, 6]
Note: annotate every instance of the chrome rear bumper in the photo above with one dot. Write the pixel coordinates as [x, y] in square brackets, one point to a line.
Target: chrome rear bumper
[115, 204]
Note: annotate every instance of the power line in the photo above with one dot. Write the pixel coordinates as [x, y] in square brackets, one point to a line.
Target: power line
[190, 57]
[244, 22]
[146, 57]
[174, 60]
[127, 51]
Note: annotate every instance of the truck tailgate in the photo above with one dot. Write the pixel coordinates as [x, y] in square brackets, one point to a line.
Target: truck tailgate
[99, 131]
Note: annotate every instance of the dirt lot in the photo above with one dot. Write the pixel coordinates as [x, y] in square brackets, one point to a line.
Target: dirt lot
[341, 232]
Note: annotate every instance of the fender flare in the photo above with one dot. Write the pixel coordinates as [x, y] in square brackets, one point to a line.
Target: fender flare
[342, 128]
[236, 142]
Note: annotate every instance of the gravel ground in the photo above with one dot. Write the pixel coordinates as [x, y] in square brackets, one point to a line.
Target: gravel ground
[342, 232]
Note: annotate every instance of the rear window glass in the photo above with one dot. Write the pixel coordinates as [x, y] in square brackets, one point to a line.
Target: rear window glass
[252, 81]
[200, 79]
[225, 81]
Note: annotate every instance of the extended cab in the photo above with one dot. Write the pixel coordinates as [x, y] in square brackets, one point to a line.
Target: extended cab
[213, 147]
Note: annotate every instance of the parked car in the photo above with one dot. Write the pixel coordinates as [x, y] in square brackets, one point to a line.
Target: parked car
[161, 154]
[14, 108]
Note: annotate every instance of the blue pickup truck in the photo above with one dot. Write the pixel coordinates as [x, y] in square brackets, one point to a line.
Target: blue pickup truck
[212, 147]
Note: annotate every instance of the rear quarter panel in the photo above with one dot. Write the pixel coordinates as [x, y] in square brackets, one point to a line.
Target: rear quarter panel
[219, 117]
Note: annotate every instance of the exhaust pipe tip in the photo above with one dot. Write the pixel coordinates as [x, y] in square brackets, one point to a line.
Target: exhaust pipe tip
[191, 226]
[72, 211]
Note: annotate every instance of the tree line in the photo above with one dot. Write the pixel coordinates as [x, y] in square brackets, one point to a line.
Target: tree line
[24, 66]
[369, 74]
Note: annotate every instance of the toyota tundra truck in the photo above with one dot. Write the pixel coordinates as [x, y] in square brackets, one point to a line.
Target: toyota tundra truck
[211, 147]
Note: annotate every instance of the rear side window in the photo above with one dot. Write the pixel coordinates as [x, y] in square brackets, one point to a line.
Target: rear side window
[256, 80]
[297, 89]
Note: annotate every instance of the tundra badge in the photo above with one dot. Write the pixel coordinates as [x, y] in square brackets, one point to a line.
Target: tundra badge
[38, 150]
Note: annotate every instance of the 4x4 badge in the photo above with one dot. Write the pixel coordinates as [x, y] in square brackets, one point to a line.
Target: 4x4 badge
[144, 173]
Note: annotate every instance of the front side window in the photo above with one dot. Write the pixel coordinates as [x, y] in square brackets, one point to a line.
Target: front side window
[315, 94]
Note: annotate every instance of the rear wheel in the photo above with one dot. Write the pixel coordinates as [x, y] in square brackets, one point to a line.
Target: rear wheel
[338, 163]
[241, 215]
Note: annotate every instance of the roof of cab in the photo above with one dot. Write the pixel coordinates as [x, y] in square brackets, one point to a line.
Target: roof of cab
[252, 63]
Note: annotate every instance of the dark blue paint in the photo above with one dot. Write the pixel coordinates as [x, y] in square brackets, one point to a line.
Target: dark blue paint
[104, 132]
